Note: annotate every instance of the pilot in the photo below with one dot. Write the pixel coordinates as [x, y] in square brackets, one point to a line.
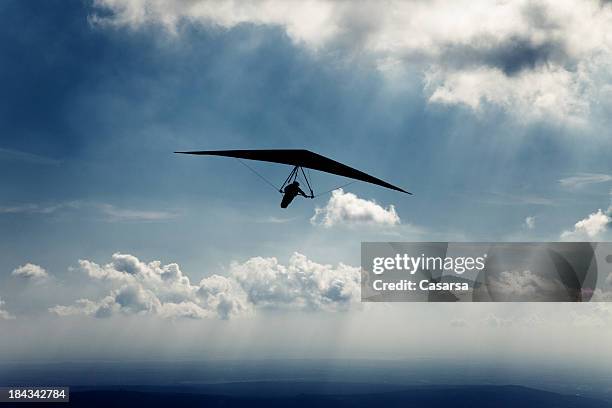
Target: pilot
[290, 192]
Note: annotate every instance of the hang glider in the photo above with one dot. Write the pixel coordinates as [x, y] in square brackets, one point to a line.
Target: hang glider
[300, 159]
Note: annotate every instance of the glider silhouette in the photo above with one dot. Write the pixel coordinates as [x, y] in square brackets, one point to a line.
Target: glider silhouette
[299, 159]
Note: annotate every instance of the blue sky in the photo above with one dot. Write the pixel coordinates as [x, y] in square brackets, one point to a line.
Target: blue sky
[97, 97]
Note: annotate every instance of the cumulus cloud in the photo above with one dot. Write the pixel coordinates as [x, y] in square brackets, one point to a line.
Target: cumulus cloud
[156, 289]
[31, 272]
[347, 209]
[4, 315]
[591, 227]
[530, 222]
[102, 308]
[302, 284]
[150, 288]
[583, 179]
[536, 59]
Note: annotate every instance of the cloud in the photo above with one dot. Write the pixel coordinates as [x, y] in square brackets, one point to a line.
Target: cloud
[510, 55]
[530, 222]
[31, 272]
[348, 209]
[111, 212]
[30, 208]
[156, 289]
[26, 157]
[87, 307]
[4, 315]
[516, 199]
[150, 288]
[584, 179]
[536, 59]
[591, 227]
[275, 220]
[302, 284]
[551, 93]
[121, 214]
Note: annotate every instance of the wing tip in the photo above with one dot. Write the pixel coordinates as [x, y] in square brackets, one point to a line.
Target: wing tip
[396, 188]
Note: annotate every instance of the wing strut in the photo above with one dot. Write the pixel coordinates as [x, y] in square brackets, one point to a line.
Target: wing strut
[290, 178]
[259, 175]
[293, 177]
[307, 182]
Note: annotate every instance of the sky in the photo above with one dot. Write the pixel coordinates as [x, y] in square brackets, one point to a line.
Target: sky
[496, 115]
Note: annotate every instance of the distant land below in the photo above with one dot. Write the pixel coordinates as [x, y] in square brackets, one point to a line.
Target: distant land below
[264, 394]
[292, 378]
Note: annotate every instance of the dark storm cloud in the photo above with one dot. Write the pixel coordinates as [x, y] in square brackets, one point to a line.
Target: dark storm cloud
[512, 55]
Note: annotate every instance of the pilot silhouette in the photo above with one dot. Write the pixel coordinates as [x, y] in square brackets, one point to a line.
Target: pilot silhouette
[290, 192]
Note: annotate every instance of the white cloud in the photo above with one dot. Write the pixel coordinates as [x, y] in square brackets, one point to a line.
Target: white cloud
[156, 289]
[583, 179]
[302, 284]
[30, 208]
[4, 315]
[86, 307]
[122, 214]
[517, 199]
[536, 59]
[141, 288]
[275, 220]
[591, 227]
[547, 92]
[346, 208]
[31, 272]
[530, 222]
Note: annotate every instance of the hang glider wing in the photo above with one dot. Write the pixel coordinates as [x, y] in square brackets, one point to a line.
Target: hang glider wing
[301, 158]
